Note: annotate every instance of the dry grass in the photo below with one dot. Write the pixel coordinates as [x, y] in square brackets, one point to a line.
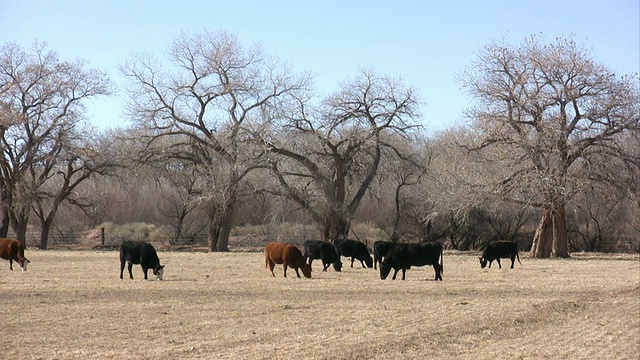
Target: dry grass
[71, 304]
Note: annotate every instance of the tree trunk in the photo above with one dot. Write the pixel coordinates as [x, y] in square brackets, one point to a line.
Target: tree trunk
[44, 233]
[20, 228]
[4, 212]
[560, 247]
[4, 222]
[550, 239]
[336, 226]
[223, 237]
[395, 226]
[221, 224]
[214, 232]
[44, 238]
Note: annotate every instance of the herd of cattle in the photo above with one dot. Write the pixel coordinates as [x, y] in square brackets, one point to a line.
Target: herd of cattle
[386, 255]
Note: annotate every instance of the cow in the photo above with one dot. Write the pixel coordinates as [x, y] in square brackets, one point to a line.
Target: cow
[323, 250]
[13, 250]
[405, 255]
[288, 255]
[141, 253]
[380, 250]
[497, 250]
[354, 250]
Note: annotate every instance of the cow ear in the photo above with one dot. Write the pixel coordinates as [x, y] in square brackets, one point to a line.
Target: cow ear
[161, 266]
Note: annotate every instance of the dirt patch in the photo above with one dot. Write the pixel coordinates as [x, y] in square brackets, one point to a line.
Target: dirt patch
[72, 304]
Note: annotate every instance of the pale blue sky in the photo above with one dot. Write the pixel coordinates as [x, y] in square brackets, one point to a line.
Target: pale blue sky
[425, 42]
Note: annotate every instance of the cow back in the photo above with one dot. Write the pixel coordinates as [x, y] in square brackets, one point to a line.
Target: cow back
[292, 256]
[414, 254]
[275, 252]
[353, 248]
[7, 249]
[500, 249]
[13, 250]
[313, 249]
[139, 253]
[381, 248]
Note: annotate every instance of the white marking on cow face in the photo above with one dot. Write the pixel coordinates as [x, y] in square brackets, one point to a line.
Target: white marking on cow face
[159, 274]
[24, 265]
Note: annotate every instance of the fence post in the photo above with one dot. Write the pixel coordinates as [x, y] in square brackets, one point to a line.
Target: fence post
[102, 236]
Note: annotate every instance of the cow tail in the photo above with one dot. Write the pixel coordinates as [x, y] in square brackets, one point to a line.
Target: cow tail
[518, 257]
[441, 259]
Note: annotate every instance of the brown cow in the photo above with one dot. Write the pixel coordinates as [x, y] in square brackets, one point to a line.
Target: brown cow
[288, 255]
[12, 250]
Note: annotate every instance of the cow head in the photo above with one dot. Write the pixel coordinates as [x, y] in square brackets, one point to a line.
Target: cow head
[369, 262]
[306, 270]
[385, 268]
[158, 271]
[483, 262]
[337, 266]
[23, 264]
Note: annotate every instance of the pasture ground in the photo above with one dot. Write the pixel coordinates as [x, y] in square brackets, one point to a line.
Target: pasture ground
[72, 305]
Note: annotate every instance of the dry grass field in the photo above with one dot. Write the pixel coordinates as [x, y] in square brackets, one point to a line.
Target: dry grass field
[72, 305]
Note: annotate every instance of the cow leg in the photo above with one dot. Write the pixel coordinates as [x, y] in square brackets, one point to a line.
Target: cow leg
[271, 265]
[325, 266]
[297, 273]
[122, 261]
[404, 271]
[352, 259]
[499, 265]
[145, 270]
[513, 260]
[395, 272]
[10, 264]
[129, 267]
[436, 267]
[362, 263]
[285, 269]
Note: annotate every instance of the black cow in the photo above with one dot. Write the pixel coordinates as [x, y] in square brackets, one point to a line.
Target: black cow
[500, 250]
[404, 256]
[318, 249]
[354, 250]
[380, 250]
[140, 253]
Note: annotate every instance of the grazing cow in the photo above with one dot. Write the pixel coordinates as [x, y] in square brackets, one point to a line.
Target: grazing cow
[140, 253]
[500, 250]
[12, 250]
[404, 256]
[288, 255]
[354, 250]
[380, 250]
[318, 249]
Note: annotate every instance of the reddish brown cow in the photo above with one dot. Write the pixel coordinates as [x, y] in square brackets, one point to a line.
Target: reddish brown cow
[12, 250]
[288, 255]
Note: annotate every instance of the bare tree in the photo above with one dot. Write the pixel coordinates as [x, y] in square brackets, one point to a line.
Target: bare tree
[326, 158]
[398, 179]
[73, 161]
[546, 109]
[208, 91]
[180, 201]
[42, 107]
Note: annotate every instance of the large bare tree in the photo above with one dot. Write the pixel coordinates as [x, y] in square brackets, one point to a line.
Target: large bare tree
[208, 90]
[41, 100]
[325, 158]
[546, 110]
